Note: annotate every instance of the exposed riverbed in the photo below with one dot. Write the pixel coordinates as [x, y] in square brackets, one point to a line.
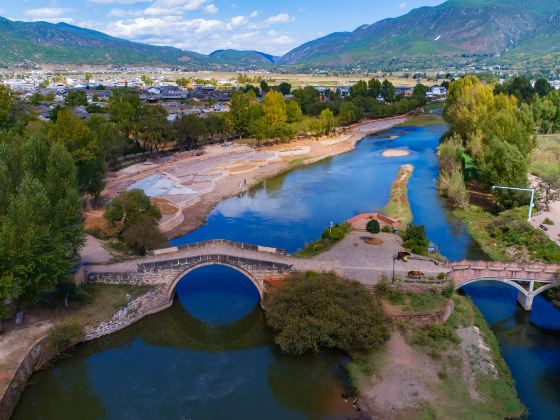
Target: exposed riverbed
[211, 354]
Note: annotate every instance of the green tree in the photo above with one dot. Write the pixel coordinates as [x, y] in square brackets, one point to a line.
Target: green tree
[293, 112]
[315, 311]
[284, 88]
[143, 236]
[129, 208]
[374, 88]
[40, 224]
[306, 97]
[388, 91]
[274, 108]
[420, 91]
[359, 89]
[75, 98]
[373, 227]
[503, 164]
[542, 87]
[78, 139]
[244, 110]
[264, 86]
[328, 121]
[349, 113]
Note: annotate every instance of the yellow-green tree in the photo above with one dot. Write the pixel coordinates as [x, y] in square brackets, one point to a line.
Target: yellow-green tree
[274, 108]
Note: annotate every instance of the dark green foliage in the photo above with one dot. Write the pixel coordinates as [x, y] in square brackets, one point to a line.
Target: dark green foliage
[315, 311]
[284, 88]
[518, 86]
[329, 237]
[130, 208]
[75, 98]
[40, 223]
[135, 218]
[373, 226]
[415, 239]
[143, 236]
[511, 229]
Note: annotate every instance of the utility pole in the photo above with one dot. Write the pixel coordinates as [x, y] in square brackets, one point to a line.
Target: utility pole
[531, 190]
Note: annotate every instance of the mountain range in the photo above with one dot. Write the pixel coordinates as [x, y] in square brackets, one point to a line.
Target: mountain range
[522, 32]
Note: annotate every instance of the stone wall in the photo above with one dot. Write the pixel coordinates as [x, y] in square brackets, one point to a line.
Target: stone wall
[19, 381]
[439, 316]
[153, 301]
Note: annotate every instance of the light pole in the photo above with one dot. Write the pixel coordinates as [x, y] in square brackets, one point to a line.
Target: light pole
[531, 190]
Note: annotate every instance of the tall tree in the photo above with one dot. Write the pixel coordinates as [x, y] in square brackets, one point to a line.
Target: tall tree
[274, 108]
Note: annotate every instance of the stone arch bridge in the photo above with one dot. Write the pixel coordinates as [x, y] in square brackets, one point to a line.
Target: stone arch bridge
[529, 279]
[266, 267]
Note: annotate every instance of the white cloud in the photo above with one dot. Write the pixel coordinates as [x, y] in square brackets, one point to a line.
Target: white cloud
[45, 12]
[211, 9]
[280, 18]
[403, 5]
[254, 13]
[238, 21]
[198, 34]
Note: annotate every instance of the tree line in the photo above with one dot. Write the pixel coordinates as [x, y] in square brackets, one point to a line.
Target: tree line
[492, 134]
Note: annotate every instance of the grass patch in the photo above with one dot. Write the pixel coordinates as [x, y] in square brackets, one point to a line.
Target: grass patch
[398, 206]
[508, 236]
[362, 367]
[422, 120]
[298, 162]
[431, 299]
[104, 302]
[328, 239]
[545, 157]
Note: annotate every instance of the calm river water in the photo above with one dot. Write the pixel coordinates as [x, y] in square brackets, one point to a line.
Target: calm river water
[211, 355]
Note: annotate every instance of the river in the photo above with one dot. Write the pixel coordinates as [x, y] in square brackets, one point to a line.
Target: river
[211, 355]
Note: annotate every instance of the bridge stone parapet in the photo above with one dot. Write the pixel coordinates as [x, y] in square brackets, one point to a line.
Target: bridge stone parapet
[524, 277]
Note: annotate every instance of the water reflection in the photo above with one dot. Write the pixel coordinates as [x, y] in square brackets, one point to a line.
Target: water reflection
[174, 365]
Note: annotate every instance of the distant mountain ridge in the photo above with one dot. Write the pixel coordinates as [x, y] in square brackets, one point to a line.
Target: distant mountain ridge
[502, 31]
[454, 28]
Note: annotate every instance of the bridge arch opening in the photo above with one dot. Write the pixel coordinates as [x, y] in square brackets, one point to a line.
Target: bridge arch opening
[216, 293]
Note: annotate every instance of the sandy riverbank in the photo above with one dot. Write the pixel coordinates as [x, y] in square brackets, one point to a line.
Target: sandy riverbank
[196, 182]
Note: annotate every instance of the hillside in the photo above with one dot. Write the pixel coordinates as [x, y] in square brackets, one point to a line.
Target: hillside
[245, 58]
[42, 42]
[432, 35]
[521, 32]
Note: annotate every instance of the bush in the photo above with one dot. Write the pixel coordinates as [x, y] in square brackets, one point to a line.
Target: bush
[453, 188]
[336, 233]
[547, 221]
[314, 311]
[415, 239]
[387, 229]
[63, 336]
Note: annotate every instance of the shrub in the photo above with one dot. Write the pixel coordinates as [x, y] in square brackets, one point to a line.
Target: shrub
[387, 229]
[336, 233]
[63, 336]
[373, 226]
[314, 311]
[452, 186]
[547, 221]
[415, 239]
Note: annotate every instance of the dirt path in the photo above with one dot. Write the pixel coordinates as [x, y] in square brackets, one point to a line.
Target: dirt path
[404, 382]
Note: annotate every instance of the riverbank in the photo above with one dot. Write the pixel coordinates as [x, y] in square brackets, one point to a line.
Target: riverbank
[451, 371]
[24, 348]
[194, 183]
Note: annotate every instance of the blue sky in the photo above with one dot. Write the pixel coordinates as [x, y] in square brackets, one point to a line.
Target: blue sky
[272, 26]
